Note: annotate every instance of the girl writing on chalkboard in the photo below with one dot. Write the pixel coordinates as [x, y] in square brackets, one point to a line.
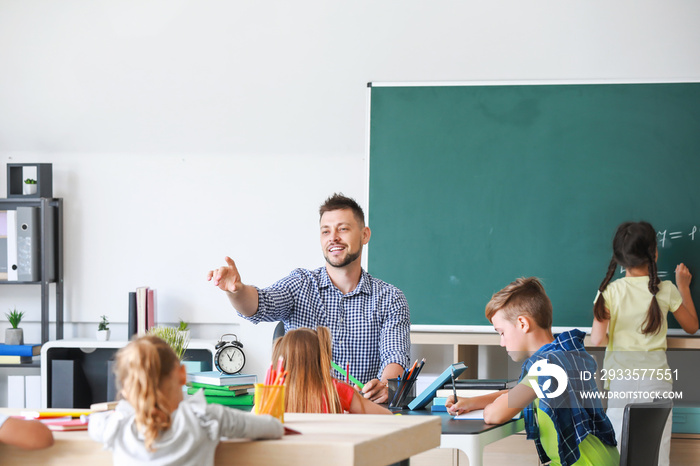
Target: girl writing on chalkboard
[630, 318]
[152, 424]
[310, 387]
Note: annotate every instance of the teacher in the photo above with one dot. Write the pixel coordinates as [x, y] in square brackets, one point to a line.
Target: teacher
[368, 318]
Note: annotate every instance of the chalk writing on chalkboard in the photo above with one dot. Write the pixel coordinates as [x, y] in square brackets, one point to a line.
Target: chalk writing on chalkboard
[664, 240]
[665, 235]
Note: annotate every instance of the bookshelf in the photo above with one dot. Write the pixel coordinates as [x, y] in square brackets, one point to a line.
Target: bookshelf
[50, 228]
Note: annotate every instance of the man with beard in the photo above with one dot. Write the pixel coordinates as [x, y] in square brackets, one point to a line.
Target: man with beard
[368, 318]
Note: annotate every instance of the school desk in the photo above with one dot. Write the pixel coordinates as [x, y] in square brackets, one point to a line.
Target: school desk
[338, 439]
[470, 436]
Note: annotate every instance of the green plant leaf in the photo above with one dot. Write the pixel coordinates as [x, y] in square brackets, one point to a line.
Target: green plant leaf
[176, 339]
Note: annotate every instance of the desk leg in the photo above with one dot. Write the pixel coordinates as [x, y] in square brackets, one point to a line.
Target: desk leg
[473, 445]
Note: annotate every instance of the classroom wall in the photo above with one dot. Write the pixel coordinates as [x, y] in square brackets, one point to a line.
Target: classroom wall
[181, 131]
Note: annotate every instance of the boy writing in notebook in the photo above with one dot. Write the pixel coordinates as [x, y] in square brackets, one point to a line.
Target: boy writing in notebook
[569, 425]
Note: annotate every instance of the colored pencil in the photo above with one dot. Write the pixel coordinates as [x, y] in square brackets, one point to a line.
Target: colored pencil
[352, 379]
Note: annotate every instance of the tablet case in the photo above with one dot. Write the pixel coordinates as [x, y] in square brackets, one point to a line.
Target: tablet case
[427, 395]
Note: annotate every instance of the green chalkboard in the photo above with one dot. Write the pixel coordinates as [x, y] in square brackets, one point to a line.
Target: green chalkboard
[471, 187]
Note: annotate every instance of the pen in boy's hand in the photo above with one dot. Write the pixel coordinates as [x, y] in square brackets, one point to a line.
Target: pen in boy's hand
[454, 385]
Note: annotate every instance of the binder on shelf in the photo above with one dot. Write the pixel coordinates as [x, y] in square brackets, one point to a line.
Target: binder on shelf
[28, 244]
[51, 248]
[15, 391]
[12, 245]
[3, 245]
[32, 391]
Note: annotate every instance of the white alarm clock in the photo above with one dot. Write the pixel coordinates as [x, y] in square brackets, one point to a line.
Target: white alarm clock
[229, 357]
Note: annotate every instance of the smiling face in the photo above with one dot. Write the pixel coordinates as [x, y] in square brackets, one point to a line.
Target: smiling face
[342, 237]
[512, 335]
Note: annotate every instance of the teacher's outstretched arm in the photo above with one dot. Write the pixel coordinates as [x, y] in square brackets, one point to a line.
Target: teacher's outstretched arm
[244, 298]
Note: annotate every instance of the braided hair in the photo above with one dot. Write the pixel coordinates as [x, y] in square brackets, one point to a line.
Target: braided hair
[634, 245]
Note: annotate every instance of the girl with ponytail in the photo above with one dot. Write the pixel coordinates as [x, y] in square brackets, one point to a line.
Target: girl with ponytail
[630, 320]
[309, 385]
[153, 424]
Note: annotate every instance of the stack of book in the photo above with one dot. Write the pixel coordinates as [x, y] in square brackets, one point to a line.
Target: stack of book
[142, 310]
[19, 354]
[233, 390]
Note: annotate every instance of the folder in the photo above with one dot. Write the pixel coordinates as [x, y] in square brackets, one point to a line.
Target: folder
[12, 245]
[3, 245]
[28, 244]
[15, 391]
[32, 391]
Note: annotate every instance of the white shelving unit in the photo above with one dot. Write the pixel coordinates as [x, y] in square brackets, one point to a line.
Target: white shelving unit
[94, 354]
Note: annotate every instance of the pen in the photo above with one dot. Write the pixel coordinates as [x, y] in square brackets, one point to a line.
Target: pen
[454, 385]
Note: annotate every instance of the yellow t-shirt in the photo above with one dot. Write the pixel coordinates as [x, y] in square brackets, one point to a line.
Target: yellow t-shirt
[628, 300]
[593, 451]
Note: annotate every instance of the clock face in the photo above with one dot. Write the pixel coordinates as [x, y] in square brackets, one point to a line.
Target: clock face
[230, 359]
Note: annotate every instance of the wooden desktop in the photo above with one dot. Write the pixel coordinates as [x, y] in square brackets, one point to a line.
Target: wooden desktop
[339, 439]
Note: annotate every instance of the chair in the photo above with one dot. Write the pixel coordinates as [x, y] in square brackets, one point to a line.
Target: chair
[278, 332]
[642, 427]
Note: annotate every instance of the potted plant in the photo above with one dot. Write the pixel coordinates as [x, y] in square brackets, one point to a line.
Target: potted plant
[103, 329]
[184, 328]
[14, 335]
[176, 339]
[29, 186]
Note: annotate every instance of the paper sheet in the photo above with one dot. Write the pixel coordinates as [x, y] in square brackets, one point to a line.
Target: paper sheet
[477, 414]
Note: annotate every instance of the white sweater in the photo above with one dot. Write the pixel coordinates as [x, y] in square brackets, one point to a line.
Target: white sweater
[192, 438]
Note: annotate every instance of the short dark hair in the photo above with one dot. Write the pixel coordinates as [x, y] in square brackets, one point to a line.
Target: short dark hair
[339, 201]
[524, 296]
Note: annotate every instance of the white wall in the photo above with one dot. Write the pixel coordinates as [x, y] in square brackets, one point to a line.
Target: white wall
[181, 131]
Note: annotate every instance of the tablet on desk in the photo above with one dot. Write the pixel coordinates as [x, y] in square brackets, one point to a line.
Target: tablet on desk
[427, 395]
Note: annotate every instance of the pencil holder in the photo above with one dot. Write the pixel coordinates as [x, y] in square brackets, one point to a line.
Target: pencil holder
[269, 399]
[404, 398]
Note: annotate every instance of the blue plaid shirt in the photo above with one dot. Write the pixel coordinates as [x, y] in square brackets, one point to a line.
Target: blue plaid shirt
[370, 326]
[573, 417]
